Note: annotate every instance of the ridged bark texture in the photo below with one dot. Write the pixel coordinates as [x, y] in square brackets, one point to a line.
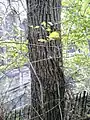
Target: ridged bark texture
[47, 91]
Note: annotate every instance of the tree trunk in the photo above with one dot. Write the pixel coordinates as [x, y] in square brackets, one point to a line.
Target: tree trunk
[47, 87]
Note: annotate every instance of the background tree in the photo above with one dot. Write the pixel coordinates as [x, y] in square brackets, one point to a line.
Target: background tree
[13, 57]
[75, 37]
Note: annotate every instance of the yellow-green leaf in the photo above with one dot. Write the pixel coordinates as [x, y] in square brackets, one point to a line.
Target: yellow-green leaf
[36, 27]
[48, 29]
[31, 26]
[85, 3]
[42, 40]
[54, 35]
[43, 23]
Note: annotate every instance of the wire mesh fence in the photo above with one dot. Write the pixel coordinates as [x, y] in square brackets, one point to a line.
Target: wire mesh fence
[45, 61]
[76, 108]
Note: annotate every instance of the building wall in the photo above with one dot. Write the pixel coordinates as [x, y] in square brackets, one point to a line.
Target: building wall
[16, 87]
[15, 84]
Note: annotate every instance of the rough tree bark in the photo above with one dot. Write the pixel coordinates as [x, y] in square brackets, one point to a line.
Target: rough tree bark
[47, 88]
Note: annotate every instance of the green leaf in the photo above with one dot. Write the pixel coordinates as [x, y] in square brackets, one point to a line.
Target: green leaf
[43, 23]
[54, 35]
[31, 26]
[85, 3]
[48, 30]
[36, 27]
[42, 40]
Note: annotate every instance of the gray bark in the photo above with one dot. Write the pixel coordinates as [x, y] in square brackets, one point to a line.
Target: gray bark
[46, 63]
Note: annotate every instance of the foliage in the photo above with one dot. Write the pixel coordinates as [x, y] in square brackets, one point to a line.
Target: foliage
[53, 35]
[75, 37]
[14, 50]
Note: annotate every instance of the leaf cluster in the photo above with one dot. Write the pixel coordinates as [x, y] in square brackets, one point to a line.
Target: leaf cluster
[75, 38]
